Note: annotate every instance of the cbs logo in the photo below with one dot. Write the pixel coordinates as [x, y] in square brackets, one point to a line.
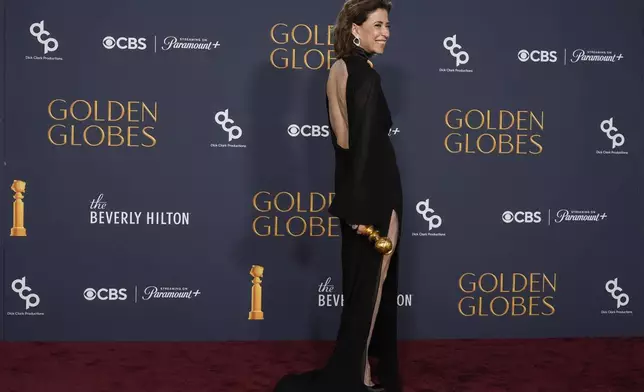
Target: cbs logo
[308, 130]
[538, 56]
[105, 294]
[521, 217]
[130, 43]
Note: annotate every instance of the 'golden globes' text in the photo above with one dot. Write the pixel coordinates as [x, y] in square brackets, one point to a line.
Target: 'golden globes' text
[102, 123]
[302, 46]
[294, 214]
[503, 294]
[496, 132]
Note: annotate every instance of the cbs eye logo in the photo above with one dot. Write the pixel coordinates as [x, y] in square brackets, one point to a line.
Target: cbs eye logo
[308, 130]
[538, 56]
[105, 294]
[129, 43]
[521, 217]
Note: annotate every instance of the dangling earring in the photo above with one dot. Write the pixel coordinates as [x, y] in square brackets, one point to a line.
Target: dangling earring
[356, 41]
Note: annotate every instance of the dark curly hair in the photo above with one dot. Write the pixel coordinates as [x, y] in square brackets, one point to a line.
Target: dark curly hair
[353, 11]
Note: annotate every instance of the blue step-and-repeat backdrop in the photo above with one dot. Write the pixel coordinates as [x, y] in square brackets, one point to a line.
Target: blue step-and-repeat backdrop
[168, 169]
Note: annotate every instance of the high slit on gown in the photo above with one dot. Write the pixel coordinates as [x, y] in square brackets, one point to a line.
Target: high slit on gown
[367, 192]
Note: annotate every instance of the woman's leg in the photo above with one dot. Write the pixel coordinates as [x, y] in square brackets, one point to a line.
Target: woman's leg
[393, 235]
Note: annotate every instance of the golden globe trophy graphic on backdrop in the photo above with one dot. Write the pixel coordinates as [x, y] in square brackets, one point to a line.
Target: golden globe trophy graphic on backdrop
[257, 272]
[18, 229]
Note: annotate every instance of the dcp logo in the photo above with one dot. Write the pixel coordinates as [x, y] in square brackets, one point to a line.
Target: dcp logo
[434, 221]
[538, 56]
[611, 132]
[521, 217]
[105, 294]
[308, 130]
[612, 288]
[462, 57]
[130, 43]
[32, 300]
[50, 44]
[222, 119]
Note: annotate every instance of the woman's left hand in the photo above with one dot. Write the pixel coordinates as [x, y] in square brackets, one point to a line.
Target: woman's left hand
[362, 229]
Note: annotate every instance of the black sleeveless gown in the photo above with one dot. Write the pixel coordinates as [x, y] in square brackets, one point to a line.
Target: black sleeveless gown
[367, 188]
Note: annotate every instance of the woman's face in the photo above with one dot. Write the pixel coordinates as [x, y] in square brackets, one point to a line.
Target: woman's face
[374, 32]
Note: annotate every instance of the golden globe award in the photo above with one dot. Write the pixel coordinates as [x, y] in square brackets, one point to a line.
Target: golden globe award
[382, 244]
[18, 229]
[257, 272]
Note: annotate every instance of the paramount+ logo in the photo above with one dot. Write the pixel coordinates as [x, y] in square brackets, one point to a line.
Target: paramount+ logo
[295, 130]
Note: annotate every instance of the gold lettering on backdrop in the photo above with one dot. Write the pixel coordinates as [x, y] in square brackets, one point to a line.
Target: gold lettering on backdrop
[294, 214]
[499, 132]
[501, 294]
[302, 46]
[92, 123]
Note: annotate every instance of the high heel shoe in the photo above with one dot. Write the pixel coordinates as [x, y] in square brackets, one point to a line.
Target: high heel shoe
[375, 388]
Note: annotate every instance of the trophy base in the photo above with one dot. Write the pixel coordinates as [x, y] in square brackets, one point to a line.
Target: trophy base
[256, 315]
[18, 232]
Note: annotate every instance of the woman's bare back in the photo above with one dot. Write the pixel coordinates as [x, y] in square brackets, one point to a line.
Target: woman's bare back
[336, 91]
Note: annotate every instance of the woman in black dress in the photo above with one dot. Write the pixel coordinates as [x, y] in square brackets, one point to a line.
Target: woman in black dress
[368, 193]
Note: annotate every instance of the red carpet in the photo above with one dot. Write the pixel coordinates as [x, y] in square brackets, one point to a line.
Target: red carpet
[572, 365]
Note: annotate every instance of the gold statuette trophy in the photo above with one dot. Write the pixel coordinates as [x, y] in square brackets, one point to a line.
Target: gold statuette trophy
[18, 229]
[257, 272]
[382, 244]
